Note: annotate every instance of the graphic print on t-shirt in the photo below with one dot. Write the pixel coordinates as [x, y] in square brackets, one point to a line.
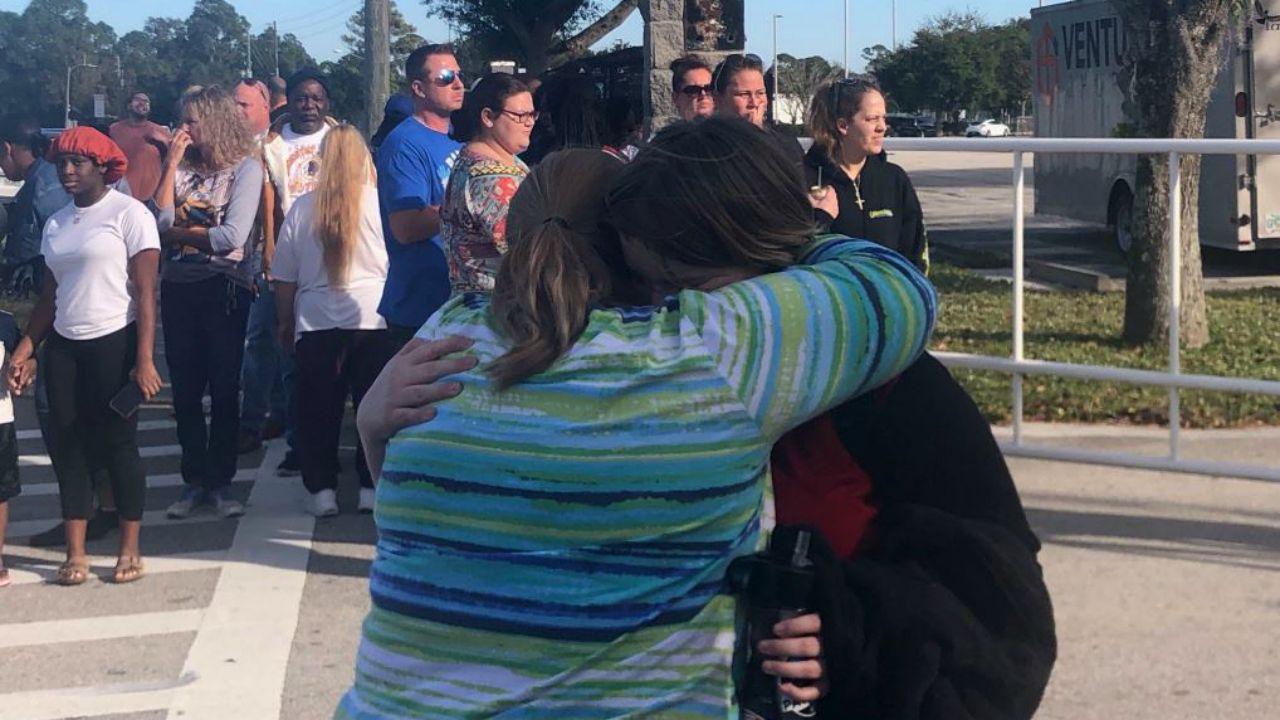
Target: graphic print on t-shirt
[302, 168]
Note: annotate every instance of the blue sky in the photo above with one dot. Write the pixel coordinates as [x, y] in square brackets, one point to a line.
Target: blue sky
[808, 27]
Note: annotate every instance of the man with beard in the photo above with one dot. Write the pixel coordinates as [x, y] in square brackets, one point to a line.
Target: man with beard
[144, 143]
[292, 157]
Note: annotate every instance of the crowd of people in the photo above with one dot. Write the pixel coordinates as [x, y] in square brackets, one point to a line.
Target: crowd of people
[590, 369]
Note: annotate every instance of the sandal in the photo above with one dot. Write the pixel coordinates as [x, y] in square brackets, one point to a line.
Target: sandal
[73, 572]
[128, 569]
[4, 576]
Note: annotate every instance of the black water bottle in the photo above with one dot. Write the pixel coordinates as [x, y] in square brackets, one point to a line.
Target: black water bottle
[780, 587]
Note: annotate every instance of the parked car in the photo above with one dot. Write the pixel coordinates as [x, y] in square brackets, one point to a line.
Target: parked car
[928, 125]
[902, 125]
[987, 128]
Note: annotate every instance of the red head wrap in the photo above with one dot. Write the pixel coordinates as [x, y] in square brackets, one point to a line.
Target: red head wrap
[92, 144]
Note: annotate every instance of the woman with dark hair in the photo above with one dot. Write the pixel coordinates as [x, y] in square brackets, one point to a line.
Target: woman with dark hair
[741, 92]
[570, 115]
[207, 203]
[97, 310]
[495, 121]
[875, 198]
[555, 542]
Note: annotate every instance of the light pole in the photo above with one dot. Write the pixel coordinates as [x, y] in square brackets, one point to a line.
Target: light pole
[846, 38]
[895, 24]
[66, 117]
[773, 106]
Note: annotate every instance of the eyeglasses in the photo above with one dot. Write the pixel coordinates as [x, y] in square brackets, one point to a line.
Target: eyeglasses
[524, 118]
[446, 77]
[750, 61]
[694, 91]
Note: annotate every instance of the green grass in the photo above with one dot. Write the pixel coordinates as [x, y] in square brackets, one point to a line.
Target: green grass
[1084, 327]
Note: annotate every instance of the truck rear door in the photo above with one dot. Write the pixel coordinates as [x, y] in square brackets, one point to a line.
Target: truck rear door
[1265, 100]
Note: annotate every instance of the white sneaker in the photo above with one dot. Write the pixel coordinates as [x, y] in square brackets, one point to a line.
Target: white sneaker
[186, 503]
[324, 503]
[367, 496]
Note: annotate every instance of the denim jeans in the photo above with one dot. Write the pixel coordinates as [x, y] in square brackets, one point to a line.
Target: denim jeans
[204, 325]
[267, 376]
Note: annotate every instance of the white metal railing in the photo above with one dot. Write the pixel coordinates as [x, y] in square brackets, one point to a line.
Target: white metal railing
[1018, 366]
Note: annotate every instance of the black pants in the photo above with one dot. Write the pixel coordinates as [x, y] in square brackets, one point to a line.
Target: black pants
[204, 326]
[400, 335]
[333, 364]
[83, 376]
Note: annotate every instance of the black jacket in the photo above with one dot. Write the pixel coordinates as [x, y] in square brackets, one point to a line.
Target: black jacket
[944, 615]
[891, 214]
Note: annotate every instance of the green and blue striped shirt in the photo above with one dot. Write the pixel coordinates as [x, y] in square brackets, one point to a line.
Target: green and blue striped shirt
[558, 550]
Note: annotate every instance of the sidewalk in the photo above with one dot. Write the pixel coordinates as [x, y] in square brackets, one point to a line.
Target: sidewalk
[1166, 587]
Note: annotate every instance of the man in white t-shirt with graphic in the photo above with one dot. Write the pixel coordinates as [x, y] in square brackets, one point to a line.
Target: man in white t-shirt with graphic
[291, 154]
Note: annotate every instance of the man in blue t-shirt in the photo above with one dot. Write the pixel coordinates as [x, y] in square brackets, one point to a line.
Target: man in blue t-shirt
[413, 168]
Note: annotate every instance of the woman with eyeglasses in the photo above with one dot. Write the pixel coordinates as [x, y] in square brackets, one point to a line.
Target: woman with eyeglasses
[495, 122]
[875, 198]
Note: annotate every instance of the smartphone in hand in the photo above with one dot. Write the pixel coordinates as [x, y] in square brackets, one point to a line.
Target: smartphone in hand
[128, 400]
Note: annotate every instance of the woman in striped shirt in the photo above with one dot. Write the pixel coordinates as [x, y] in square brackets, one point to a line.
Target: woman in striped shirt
[554, 543]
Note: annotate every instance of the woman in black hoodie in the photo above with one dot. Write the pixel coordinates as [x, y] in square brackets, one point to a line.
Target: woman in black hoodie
[876, 199]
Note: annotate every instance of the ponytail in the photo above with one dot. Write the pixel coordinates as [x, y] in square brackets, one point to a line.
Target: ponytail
[561, 261]
[542, 296]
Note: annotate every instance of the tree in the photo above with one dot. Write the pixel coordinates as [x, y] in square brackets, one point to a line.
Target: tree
[957, 62]
[293, 55]
[1174, 55]
[404, 40]
[538, 34]
[40, 44]
[347, 74]
[798, 80]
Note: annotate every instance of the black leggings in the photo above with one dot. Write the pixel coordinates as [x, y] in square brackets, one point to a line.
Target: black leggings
[83, 376]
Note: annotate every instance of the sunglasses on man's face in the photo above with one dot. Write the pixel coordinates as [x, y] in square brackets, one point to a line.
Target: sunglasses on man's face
[694, 91]
[446, 77]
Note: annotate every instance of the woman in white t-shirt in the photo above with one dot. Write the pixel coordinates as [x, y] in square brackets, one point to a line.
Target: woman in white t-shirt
[101, 255]
[329, 270]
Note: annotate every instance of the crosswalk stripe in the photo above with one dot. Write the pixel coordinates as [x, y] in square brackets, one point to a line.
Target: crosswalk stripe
[99, 628]
[143, 426]
[153, 481]
[241, 652]
[88, 702]
[149, 451]
[42, 572]
[150, 519]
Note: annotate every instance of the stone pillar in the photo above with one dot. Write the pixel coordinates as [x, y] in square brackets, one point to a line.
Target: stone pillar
[710, 29]
[663, 43]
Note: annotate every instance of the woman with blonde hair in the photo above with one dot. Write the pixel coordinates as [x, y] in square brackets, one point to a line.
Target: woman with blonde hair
[207, 203]
[329, 271]
[555, 542]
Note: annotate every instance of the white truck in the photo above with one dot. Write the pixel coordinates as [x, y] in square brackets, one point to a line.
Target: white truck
[1078, 87]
